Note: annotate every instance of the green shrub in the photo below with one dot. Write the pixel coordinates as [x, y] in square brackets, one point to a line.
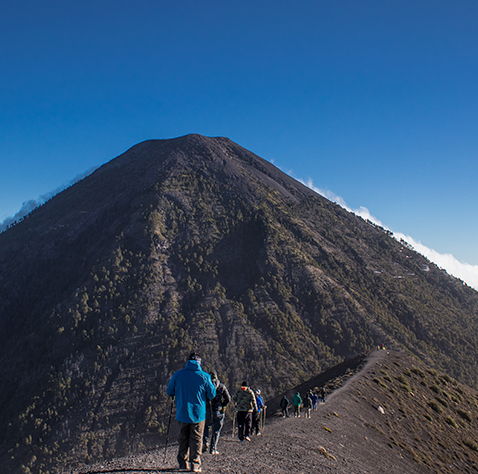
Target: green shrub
[466, 415]
[445, 379]
[379, 382]
[402, 379]
[418, 372]
[435, 406]
[456, 397]
[443, 402]
[451, 421]
[470, 443]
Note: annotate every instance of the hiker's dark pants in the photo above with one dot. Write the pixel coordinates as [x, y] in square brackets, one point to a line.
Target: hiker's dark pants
[244, 424]
[256, 422]
[190, 439]
[285, 411]
[216, 420]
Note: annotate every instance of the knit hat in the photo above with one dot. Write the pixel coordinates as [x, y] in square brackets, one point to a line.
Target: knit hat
[245, 384]
[195, 356]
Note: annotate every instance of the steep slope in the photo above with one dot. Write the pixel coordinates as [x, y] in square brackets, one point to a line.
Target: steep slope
[196, 244]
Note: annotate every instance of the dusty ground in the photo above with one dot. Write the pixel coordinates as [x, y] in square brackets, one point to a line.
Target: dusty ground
[347, 434]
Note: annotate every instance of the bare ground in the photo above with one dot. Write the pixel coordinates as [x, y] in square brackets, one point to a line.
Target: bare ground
[347, 434]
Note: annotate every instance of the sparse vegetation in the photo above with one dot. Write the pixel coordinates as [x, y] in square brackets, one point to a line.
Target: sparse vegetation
[470, 443]
[435, 406]
[438, 435]
[466, 415]
[451, 421]
[198, 244]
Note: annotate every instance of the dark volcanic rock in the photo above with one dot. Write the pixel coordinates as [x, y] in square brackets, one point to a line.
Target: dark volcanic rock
[196, 244]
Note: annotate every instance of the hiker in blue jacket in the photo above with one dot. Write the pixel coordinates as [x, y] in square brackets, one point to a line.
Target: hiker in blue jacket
[191, 387]
[257, 420]
[315, 399]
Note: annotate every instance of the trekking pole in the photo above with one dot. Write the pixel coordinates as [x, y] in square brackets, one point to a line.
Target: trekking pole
[169, 426]
[263, 419]
[233, 421]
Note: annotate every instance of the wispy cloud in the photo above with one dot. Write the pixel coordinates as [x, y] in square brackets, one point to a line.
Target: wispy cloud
[466, 272]
[29, 206]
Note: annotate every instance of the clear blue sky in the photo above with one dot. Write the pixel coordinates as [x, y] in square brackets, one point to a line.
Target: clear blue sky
[375, 101]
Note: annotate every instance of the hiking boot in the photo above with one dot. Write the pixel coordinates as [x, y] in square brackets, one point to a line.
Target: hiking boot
[247, 438]
[196, 468]
[214, 451]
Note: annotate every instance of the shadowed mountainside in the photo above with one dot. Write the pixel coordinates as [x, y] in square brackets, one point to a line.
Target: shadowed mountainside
[196, 244]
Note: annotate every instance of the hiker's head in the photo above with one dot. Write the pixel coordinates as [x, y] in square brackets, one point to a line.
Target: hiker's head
[244, 383]
[214, 378]
[195, 356]
[258, 392]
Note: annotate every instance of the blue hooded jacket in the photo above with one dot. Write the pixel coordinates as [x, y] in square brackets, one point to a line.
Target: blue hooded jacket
[192, 387]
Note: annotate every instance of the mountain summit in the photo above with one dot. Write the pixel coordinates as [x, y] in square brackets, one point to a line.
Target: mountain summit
[196, 244]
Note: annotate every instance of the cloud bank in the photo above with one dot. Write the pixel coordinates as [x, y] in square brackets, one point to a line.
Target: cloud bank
[464, 271]
[29, 206]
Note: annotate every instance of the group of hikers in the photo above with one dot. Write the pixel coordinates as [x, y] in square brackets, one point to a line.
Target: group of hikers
[309, 402]
[201, 401]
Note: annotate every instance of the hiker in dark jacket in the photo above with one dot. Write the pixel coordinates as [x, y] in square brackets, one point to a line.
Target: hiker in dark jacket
[284, 405]
[307, 404]
[245, 402]
[191, 387]
[215, 410]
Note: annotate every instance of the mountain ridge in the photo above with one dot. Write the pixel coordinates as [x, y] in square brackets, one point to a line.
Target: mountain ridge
[385, 412]
[190, 244]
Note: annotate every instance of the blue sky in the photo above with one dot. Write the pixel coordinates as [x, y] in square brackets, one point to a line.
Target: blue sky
[373, 103]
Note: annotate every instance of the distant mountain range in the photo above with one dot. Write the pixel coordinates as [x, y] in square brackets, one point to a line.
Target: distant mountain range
[196, 244]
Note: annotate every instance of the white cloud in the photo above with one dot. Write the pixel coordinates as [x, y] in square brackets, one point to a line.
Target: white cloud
[29, 206]
[466, 272]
